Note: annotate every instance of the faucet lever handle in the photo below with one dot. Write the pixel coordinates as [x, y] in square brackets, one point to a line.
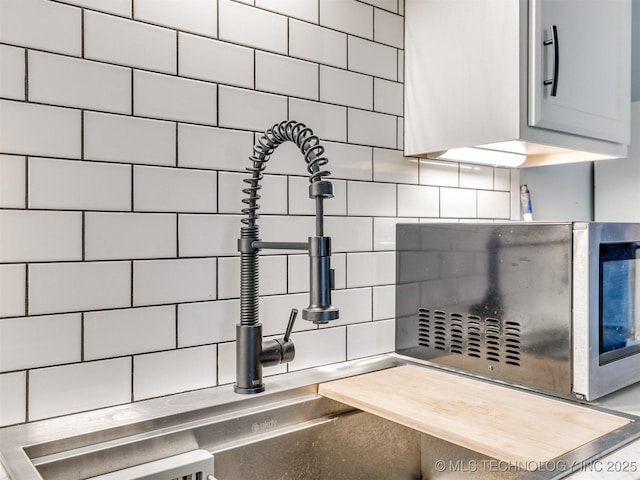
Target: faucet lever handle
[292, 319]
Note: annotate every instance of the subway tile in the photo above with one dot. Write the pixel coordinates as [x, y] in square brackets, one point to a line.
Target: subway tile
[12, 72]
[384, 232]
[249, 110]
[349, 234]
[30, 342]
[370, 268]
[390, 5]
[319, 347]
[272, 276]
[195, 16]
[286, 76]
[37, 236]
[215, 61]
[39, 130]
[229, 277]
[174, 190]
[275, 311]
[207, 322]
[438, 173]
[317, 44]
[69, 287]
[249, 26]
[12, 181]
[347, 16]
[286, 159]
[354, 304]
[388, 28]
[502, 179]
[227, 363]
[119, 7]
[273, 194]
[119, 138]
[75, 82]
[301, 204]
[172, 98]
[457, 203]
[400, 134]
[494, 204]
[298, 268]
[163, 373]
[328, 122]
[346, 88]
[371, 338]
[418, 201]
[476, 176]
[372, 58]
[127, 42]
[65, 184]
[13, 285]
[41, 24]
[78, 387]
[303, 9]
[384, 302]
[116, 333]
[171, 281]
[401, 68]
[208, 235]
[392, 166]
[115, 236]
[214, 148]
[371, 199]
[352, 162]
[389, 97]
[13, 398]
[276, 228]
[371, 128]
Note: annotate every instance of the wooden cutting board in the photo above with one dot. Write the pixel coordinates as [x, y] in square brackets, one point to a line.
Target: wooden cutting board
[504, 423]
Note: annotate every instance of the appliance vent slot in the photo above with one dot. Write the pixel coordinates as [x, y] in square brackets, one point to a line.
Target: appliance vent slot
[487, 338]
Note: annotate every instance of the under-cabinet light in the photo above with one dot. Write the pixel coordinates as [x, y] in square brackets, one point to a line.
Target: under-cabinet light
[480, 155]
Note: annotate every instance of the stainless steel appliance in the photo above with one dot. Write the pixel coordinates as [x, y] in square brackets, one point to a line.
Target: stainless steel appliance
[554, 307]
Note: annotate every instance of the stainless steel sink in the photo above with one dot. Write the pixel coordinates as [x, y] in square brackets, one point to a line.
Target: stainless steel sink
[288, 432]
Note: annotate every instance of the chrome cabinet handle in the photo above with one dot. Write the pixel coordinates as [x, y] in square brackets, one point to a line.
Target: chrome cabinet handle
[556, 61]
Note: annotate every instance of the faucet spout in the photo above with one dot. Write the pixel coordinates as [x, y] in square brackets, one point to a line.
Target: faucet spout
[252, 353]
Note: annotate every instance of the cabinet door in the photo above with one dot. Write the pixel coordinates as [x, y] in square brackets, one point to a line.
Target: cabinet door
[579, 75]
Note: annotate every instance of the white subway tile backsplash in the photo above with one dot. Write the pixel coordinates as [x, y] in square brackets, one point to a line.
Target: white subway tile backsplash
[349, 234]
[69, 287]
[303, 9]
[31, 129]
[64, 184]
[127, 42]
[371, 128]
[30, 342]
[438, 173]
[246, 109]
[12, 72]
[286, 159]
[207, 322]
[75, 82]
[328, 122]
[494, 204]
[197, 16]
[214, 148]
[115, 333]
[215, 61]
[502, 179]
[321, 347]
[172, 98]
[390, 5]
[384, 302]
[229, 277]
[119, 7]
[348, 16]
[354, 305]
[276, 228]
[174, 190]
[174, 371]
[172, 281]
[384, 232]
[119, 138]
[418, 201]
[476, 176]
[36, 236]
[371, 338]
[227, 363]
[370, 268]
[255, 28]
[203, 235]
[13, 398]
[275, 311]
[41, 24]
[273, 193]
[393, 166]
[119, 236]
[401, 69]
[272, 273]
[55, 391]
[13, 284]
[12, 181]
[286, 76]
[400, 133]
[388, 28]
[346, 88]
[458, 203]
[352, 162]
[389, 97]
[371, 199]
[372, 58]
[317, 44]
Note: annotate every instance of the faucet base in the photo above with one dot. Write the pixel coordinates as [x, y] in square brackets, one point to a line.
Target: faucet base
[249, 390]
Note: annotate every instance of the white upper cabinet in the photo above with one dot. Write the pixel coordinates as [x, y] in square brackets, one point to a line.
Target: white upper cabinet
[546, 79]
